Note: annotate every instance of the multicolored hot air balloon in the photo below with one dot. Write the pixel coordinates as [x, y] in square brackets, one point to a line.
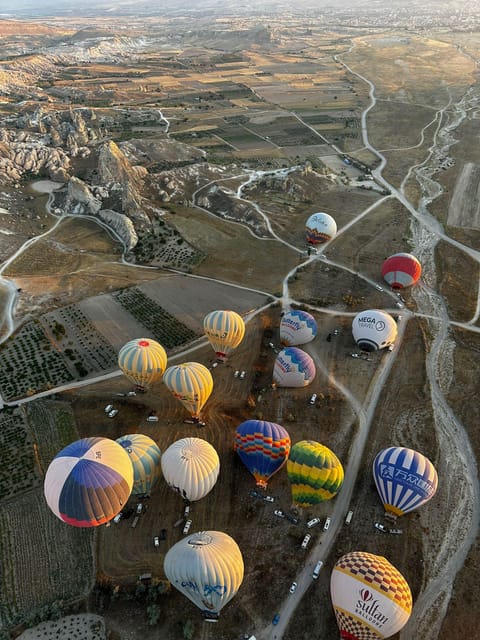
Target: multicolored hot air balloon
[401, 270]
[145, 456]
[191, 466]
[320, 227]
[143, 361]
[263, 447]
[370, 597]
[297, 327]
[293, 368]
[374, 329]
[315, 473]
[191, 383]
[224, 330]
[88, 482]
[405, 479]
[207, 567]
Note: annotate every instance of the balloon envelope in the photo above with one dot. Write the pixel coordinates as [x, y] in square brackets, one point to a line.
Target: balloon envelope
[405, 479]
[145, 456]
[401, 270]
[191, 467]
[207, 567]
[224, 330]
[293, 368]
[263, 447]
[88, 482]
[191, 383]
[297, 327]
[374, 329]
[315, 473]
[370, 597]
[143, 361]
[320, 227]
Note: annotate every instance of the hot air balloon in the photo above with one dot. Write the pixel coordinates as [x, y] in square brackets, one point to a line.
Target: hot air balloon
[191, 383]
[405, 479]
[145, 457]
[224, 330]
[293, 368]
[374, 329]
[320, 227]
[370, 597]
[401, 270]
[191, 467]
[315, 473]
[207, 567]
[143, 361]
[88, 482]
[297, 327]
[263, 447]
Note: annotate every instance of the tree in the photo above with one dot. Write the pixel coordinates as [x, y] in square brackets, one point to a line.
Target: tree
[153, 612]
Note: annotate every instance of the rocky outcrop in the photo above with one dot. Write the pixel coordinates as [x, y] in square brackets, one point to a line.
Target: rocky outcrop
[115, 172]
[19, 155]
[80, 199]
[122, 225]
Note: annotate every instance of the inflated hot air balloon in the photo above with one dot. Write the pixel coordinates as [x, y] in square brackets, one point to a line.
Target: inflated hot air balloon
[401, 270]
[405, 479]
[191, 383]
[293, 368]
[370, 597]
[320, 227]
[297, 327]
[263, 447]
[143, 361]
[145, 456]
[224, 330]
[374, 329]
[88, 482]
[191, 467]
[315, 473]
[207, 567]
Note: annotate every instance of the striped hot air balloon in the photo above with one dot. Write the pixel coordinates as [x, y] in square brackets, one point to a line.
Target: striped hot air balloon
[191, 383]
[370, 597]
[405, 479]
[320, 227]
[224, 330]
[263, 447]
[315, 473]
[143, 361]
[88, 482]
[293, 368]
[297, 327]
[145, 456]
[401, 270]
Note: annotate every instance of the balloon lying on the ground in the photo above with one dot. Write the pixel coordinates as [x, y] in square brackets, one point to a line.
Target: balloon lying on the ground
[88, 482]
[293, 367]
[191, 383]
[263, 447]
[370, 597]
[315, 473]
[191, 466]
[143, 361]
[320, 227]
[405, 479]
[401, 270]
[207, 567]
[297, 327]
[374, 329]
[145, 456]
[224, 330]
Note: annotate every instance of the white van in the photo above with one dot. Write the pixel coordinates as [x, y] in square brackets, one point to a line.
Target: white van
[349, 517]
[152, 419]
[108, 408]
[316, 571]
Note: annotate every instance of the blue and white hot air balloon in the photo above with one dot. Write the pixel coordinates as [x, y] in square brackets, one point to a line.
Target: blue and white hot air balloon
[297, 327]
[293, 368]
[405, 479]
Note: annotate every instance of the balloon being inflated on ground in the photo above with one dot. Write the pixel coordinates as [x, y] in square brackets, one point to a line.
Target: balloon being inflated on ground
[293, 367]
[297, 327]
[374, 329]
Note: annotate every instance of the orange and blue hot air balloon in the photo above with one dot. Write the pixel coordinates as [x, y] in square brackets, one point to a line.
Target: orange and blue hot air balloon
[263, 447]
[88, 482]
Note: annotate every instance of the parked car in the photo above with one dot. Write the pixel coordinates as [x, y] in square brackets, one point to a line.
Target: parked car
[243, 374]
[313, 522]
[293, 587]
[187, 526]
[255, 494]
[139, 508]
[186, 511]
[313, 398]
[316, 571]
[292, 519]
[118, 517]
[397, 532]
[236, 374]
[269, 499]
[349, 517]
[306, 540]
[113, 413]
[132, 393]
[327, 524]
[156, 542]
[152, 419]
[279, 513]
[108, 408]
[276, 619]
[381, 527]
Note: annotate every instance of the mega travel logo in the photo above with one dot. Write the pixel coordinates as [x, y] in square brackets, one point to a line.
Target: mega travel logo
[369, 608]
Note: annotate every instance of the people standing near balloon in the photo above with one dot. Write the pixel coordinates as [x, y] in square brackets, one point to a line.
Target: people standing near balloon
[401, 270]
[143, 361]
[225, 331]
[370, 597]
[320, 227]
[191, 383]
[297, 327]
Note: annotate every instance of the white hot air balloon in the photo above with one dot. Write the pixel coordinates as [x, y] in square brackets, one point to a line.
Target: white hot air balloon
[374, 329]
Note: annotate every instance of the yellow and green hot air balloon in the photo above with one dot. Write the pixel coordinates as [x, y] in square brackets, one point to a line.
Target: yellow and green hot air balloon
[224, 330]
[191, 383]
[143, 361]
[315, 473]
